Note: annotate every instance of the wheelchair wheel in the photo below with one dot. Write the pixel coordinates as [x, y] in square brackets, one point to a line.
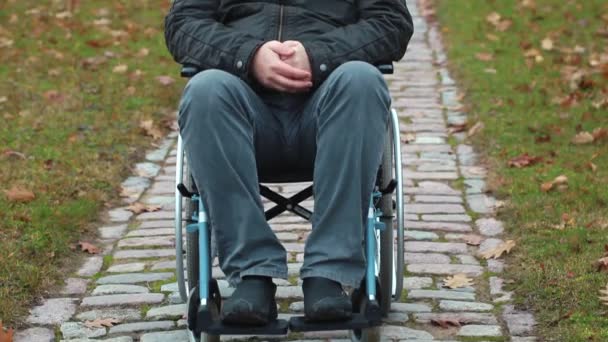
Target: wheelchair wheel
[387, 240]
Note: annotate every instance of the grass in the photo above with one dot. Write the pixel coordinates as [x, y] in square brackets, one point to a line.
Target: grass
[70, 127]
[514, 96]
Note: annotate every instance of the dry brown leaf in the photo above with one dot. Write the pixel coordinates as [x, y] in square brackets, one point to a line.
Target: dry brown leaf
[138, 208]
[120, 69]
[545, 187]
[484, 56]
[53, 96]
[151, 129]
[492, 37]
[13, 154]
[408, 138]
[6, 335]
[446, 323]
[582, 138]
[457, 281]
[19, 194]
[165, 80]
[497, 251]
[592, 167]
[599, 133]
[143, 52]
[523, 161]
[494, 18]
[473, 239]
[101, 322]
[602, 264]
[457, 128]
[604, 298]
[559, 180]
[547, 44]
[477, 127]
[89, 247]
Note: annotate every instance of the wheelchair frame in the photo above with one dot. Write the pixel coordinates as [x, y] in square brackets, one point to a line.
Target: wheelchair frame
[207, 286]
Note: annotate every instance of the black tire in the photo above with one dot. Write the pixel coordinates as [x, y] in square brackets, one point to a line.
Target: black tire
[387, 239]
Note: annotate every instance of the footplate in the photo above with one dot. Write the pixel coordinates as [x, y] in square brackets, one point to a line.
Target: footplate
[278, 327]
[358, 321]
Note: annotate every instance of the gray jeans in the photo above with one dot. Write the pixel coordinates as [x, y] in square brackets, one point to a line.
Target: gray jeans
[232, 134]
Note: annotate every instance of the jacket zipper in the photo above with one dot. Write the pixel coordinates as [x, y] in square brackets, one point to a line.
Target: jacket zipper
[280, 22]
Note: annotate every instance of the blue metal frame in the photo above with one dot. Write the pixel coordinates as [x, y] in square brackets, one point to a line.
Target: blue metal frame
[371, 247]
[204, 262]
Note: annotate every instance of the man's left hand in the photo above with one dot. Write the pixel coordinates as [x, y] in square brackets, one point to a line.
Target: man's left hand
[299, 59]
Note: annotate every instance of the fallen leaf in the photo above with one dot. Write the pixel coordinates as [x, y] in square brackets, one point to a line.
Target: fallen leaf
[602, 264]
[445, 323]
[120, 69]
[165, 80]
[457, 281]
[19, 194]
[547, 44]
[53, 96]
[604, 298]
[457, 128]
[497, 251]
[559, 180]
[592, 166]
[477, 127]
[101, 322]
[545, 187]
[484, 56]
[523, 161]
[542, 138]
[582, 138]
[138, 208]
[473, 239]
[13, 154]
[143, 52]
[151, 129]
[408, 138]
[89, 247]
[599, 133]
[6, 335]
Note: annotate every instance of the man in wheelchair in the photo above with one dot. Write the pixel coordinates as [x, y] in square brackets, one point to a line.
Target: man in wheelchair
[288, 87]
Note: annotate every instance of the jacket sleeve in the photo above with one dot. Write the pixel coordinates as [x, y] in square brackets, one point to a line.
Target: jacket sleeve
[381, 34]
[194, 36]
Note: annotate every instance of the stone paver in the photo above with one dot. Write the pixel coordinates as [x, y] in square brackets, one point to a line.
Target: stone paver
[446, 198]
[35, 334]
[53, 311]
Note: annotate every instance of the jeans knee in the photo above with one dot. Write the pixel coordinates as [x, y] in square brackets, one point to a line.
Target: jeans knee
[210, 82]
[211, 88]
[360, 75]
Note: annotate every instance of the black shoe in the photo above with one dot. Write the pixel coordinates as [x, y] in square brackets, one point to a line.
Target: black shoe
[325, 300]
[252, 303]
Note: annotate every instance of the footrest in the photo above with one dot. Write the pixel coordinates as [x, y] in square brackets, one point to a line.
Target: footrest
[358, 321]
[278, 327]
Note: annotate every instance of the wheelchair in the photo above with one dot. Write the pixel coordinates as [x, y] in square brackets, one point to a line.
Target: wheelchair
[383, 282]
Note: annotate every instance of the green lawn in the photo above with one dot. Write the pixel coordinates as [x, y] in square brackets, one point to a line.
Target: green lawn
[69, 127]
[535, 72]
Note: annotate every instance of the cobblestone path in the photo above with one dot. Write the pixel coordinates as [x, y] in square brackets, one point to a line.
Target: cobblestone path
[134, 281]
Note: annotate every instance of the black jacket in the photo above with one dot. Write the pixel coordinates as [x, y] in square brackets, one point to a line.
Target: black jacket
[225, 34]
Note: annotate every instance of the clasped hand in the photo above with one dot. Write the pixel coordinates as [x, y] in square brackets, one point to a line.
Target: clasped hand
[283, 66]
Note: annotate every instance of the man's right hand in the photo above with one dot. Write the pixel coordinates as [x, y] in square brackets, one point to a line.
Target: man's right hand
[272, 72]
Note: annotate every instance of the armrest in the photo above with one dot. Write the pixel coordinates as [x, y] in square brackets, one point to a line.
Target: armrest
[189, 71]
